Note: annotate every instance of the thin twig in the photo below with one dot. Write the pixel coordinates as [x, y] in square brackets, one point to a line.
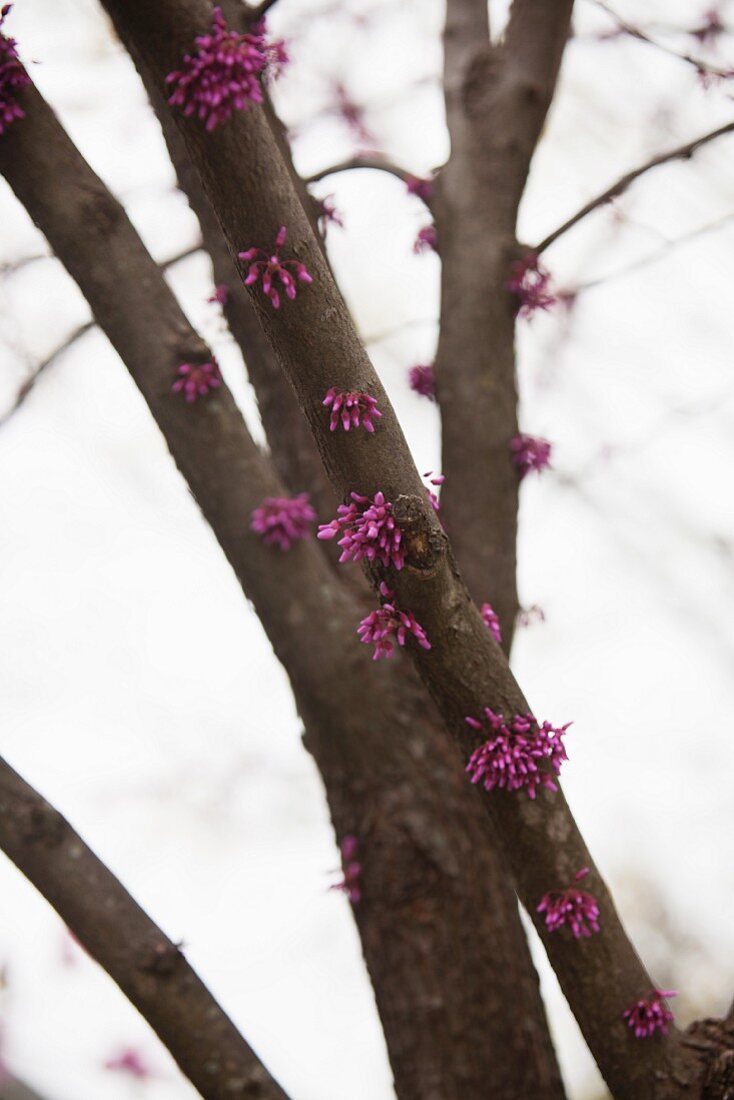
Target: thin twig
[187, 252]
[699, 65]
[260, 10]
[375, 162]
[652, 257]
[30, 382]
[683, 152]
[12, 266]
[72, 338]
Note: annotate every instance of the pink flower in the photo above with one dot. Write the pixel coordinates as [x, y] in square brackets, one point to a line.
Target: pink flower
[328, 215]
[352, 115]
[510, 758]
[529, 281]
[13, 76]
[220, 295]
[368, 530]
[351, 883]
[433, 497]
[381, 626]
[421, 188]
[529, 452]
[223, 75]
[526, 616]
[708, 77]
[421, 380]
[130, 1062]
[282, 520]
[491, 621]
[197, 379]
[351, 409]
[649, 1014]
[267, 267]
[710, 29]
[427, 240]
[573, 907]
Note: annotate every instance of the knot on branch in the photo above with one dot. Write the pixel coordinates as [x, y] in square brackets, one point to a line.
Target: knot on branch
[423, 541]
[163, 959]
[480, 81]
[711, 1043]
[41, 824]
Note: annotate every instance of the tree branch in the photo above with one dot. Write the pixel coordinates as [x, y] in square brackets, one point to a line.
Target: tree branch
[391, 776]
[497, 98]
[464, 670]
[702, 67]
[30, 382]
[293, 452]
[377, 163]
[149, 969]
[13, 1089]
[682, 152]
[259, 10]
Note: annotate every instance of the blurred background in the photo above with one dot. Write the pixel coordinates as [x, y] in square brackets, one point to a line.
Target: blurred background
[139, 692]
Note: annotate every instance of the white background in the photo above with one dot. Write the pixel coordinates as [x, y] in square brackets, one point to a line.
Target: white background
[138, 690]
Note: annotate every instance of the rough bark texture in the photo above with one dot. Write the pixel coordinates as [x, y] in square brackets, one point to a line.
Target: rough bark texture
[294, 454]
[496, 101]
[444, 953]
[149, 969]
[317, 347]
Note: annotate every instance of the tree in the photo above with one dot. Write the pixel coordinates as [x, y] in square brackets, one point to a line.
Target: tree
[433, 864]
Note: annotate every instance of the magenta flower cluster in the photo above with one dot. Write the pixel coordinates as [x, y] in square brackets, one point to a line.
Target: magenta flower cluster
[196, 380]
[220, 296]
[530, 453]
[519, 753]
[13, 76]
[573, 907]
[426, 241]
[282, 520]
[223, 75]
[526, 616]
[351, 884]
[368, 530]
[328, 214]
[352, 114]
[421, 188]
[433, 497]
[380, 627]
[129, 1061]
[269, 267]
[491, 621]
[530, 283]
[650, 1014]
[710, 29]
[351, 409]
[421, 380]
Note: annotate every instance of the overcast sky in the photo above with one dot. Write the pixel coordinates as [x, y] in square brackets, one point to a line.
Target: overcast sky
[138, 690]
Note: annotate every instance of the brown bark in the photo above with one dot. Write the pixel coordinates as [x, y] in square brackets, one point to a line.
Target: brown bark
[496, 101]
[444, 959]
[149, 969]
[13, 1089]
[317, 347]
[294, 454]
